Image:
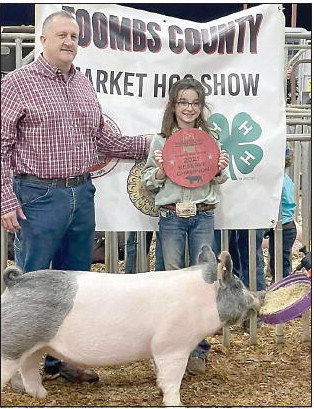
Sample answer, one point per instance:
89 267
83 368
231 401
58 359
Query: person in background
289 230
131 252
185 109
51 135
239 250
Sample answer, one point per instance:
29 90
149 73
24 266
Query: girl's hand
160 174
158 159
223 160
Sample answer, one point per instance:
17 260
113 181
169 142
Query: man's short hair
51 16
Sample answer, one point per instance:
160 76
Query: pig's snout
258 299
261 295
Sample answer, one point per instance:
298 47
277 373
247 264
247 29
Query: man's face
59 41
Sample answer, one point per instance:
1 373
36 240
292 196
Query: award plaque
191 157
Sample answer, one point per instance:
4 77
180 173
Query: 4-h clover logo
243 154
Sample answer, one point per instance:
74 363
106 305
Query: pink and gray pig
91 319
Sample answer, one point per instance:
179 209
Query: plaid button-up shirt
53 128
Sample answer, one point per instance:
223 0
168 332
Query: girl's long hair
169 121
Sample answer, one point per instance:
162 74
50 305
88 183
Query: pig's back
131 294
128 317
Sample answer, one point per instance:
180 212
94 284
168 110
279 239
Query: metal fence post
279 334
4 255
252 282
306 215
225 246
18 52
141 257
111 252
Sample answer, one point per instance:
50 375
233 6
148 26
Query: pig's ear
225 266
206 255
209 263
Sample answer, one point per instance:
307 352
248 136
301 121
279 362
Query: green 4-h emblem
243 154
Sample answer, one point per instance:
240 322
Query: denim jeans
239 251
288 238
131 246
58 231
132 242
174 233
59 228
159 258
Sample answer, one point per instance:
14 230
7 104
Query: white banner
132 57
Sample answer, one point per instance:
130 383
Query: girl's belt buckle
185 209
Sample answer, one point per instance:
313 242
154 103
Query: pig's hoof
39 392
17 384
173 404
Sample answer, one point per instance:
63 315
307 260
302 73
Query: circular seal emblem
142 199
106 164
191 157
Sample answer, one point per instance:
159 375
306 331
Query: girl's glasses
186 104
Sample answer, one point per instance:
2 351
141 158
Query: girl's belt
200 207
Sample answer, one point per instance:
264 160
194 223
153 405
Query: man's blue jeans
58 231
59 228
174 233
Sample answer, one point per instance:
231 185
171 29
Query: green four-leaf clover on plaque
243 154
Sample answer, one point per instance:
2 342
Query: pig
192 179
91 319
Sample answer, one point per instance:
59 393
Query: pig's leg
31 376
170 371
8 369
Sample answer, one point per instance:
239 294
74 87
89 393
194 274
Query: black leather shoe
196 365
77 375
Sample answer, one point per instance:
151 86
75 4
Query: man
52 132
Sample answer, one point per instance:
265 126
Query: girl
289 230
185 109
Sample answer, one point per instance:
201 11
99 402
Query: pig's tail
11 275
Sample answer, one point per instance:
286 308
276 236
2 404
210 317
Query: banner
132 57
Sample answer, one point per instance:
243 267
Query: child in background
289 230
185 109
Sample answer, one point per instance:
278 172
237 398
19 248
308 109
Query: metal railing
18 41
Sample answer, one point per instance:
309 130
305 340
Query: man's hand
9 220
